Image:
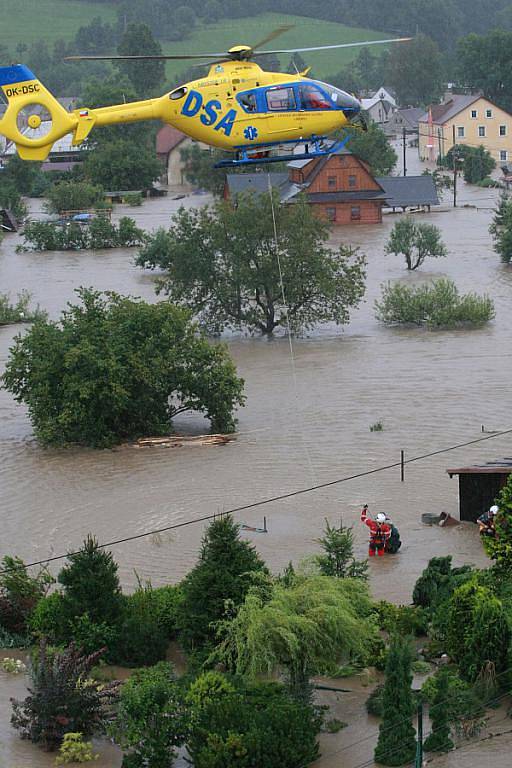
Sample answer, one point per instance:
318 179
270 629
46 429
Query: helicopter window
281 99
312 97
178 93
248 101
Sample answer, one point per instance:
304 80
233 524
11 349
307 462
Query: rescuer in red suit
379 532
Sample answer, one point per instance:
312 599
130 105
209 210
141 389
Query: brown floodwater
430 390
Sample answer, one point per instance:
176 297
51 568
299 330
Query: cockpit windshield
311 97
339 98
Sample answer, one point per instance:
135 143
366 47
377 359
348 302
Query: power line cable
272 499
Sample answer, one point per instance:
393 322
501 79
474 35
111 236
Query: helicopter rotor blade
339 45
272 35
161 57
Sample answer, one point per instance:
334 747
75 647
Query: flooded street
430 389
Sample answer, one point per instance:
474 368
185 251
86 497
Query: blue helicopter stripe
16 73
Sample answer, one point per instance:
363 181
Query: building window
503 155
352 181
503 130
331 214
488 112
331 182
355 213
474 114
481 131
460 132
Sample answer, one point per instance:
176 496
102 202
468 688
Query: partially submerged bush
20 311
73 236
19 594
75 750
435 305
402 619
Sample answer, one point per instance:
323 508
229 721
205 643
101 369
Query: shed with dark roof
480 485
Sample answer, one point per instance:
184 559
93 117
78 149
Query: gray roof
410 116
407 191
254 182
441 113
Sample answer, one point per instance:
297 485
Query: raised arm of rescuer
380 532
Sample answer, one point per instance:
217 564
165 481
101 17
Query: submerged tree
225 264
415 242
338 558
116 368
501 229
397 738
304 629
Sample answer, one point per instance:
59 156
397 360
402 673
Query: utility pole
404 141
455 158
419 743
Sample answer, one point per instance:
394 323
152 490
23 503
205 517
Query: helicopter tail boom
34 119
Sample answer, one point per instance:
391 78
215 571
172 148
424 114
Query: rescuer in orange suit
380 532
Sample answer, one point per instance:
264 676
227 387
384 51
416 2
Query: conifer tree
222 574
439 739
338 558
397 739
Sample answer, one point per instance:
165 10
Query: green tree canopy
222 262
303 628
108 91
499 548
74 196
122 165
372 146
485 63
501 229
415 70
415 242
397 738
116 368
222 576
147 77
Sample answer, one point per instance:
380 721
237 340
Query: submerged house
340 187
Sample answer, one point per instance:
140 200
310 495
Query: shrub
49 618
439 739
151 721
415 242
75 750
19 312
13 640
143 639
256 725
73 196
461 696
133 198
61 698
402 619
435 305
167 601
13 666
499 548
19 594
72 236
478 631
373 704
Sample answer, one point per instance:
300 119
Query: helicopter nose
350 105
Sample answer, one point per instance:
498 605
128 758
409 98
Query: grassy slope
306 32
23 21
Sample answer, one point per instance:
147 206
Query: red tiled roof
167 139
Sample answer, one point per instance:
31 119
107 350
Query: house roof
254 182
383 94
441 113
407 191
498 467
167 139
410 116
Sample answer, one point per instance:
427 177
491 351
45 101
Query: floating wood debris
179 441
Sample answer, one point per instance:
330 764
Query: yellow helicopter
237 107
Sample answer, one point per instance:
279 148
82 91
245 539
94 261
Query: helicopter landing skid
260 154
